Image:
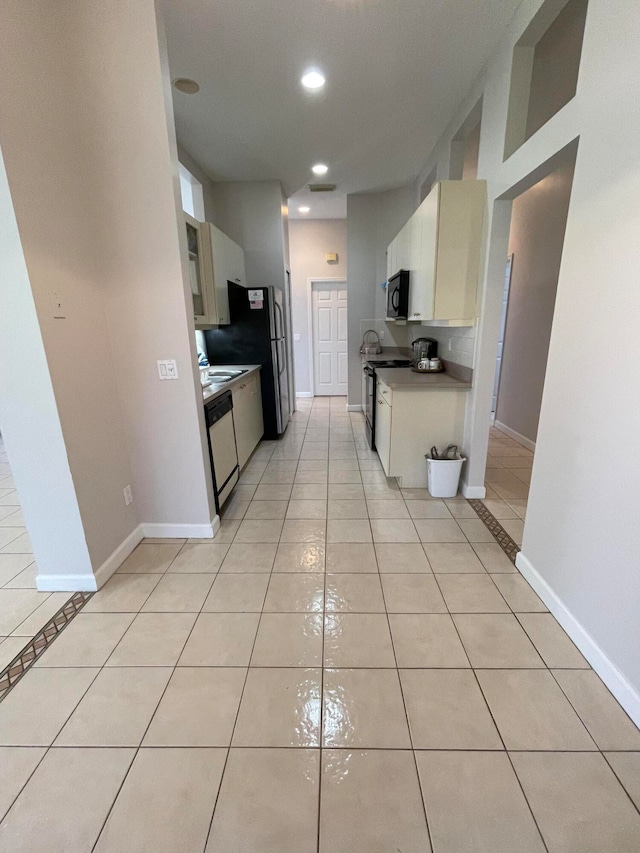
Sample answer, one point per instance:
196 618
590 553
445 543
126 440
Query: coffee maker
424 348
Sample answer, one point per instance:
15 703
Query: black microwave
398 296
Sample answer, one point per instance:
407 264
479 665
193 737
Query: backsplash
394 335
462 338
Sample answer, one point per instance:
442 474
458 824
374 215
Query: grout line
404 705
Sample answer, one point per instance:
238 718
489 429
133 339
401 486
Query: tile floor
23 610
345 667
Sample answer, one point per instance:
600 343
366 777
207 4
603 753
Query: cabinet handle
237 279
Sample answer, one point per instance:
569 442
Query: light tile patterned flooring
23 610
346 667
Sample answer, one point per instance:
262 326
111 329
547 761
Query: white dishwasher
222 446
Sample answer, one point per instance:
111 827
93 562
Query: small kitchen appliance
398 296
425 356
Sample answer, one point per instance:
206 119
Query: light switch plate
167 368
57 308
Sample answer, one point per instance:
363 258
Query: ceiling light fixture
185 85
313 80
320 169
304 209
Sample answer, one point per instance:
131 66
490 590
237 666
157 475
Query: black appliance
255 335
424 348
369 402
398 296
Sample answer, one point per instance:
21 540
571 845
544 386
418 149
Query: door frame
310 282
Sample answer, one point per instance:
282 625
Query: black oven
369 404
398 296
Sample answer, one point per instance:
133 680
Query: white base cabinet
409 422
247 416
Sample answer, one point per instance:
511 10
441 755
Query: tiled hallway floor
23 610
346 668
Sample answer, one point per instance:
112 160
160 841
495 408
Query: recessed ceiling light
313 80
320 169
185 85
304 209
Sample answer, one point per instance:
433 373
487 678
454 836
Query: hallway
345 668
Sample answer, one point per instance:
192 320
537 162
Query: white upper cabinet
214 260
444 239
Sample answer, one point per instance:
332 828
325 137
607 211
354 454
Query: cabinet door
422 283
247 415
236 270
218 248
392 267
196 237
256 422
403 259
460 216
241 418
383 432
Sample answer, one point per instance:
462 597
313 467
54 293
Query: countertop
215 390
404 378
387 354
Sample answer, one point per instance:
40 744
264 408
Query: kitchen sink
220 376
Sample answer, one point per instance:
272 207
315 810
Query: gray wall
251 213
310 240
556 61
373 220
538 221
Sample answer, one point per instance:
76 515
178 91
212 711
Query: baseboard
473 492
181 531
356 407
304 394
91 583
521 439
626 695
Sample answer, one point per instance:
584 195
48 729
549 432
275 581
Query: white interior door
329 309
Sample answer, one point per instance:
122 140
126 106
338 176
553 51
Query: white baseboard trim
304 394
181 531
355 407
626 695
521 439
66 583
91 583
473 492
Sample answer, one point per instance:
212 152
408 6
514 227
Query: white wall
581 540
92 168
309 242
538 220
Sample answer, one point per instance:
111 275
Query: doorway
536 239
329 337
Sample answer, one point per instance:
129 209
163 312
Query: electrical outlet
450 344
381 334
128 496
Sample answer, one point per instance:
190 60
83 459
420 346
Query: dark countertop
403 378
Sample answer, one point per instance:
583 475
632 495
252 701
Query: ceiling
395 70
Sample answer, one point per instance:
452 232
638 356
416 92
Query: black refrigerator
256 335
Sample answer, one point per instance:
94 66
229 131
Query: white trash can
443 476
